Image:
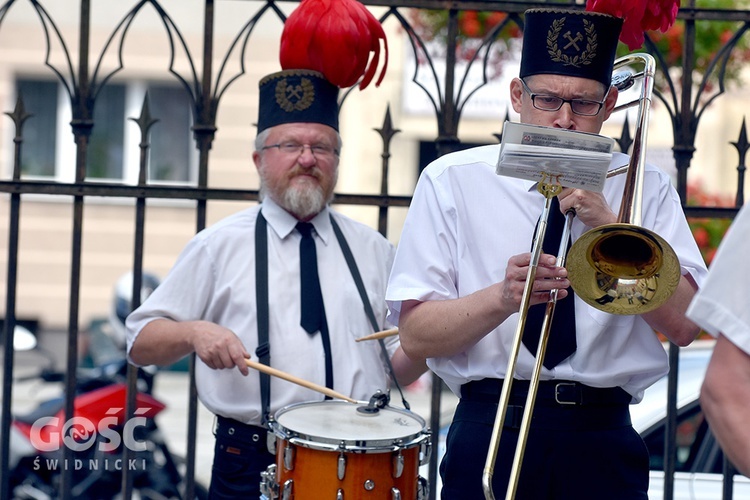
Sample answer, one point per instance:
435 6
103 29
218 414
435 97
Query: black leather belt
550 393
251 435
559 404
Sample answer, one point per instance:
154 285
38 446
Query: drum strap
354 270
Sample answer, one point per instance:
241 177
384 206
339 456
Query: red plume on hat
638 16
336 38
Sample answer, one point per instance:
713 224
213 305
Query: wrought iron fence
84 77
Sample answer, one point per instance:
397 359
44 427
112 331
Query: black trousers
581 445
240 455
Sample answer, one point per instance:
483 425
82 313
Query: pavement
171 388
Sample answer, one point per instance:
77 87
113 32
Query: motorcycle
98 435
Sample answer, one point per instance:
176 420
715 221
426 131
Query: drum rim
354 446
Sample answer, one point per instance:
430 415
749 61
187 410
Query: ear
610 102
256 159
516 94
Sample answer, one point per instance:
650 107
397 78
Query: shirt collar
284 223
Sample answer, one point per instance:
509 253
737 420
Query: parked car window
691 433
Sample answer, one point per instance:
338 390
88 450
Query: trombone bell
623 269
625 251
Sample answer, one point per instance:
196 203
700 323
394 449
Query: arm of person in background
163 342
721 308
725 399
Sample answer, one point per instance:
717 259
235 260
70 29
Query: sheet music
575 159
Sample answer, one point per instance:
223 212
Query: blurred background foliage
474 26
708 232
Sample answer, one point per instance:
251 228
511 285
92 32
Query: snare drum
332 450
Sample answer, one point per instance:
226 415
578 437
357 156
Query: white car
699 461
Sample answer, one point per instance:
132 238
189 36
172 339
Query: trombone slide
515 472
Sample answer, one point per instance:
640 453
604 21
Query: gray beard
302 203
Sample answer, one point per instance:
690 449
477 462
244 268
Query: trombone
619 268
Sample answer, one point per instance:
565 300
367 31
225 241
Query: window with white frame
113 151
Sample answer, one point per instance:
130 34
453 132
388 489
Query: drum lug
288 457
425 451
398 464
395 494
340 494
287 493
341 469
269 489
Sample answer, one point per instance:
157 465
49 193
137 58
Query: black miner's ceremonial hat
297 96
570 43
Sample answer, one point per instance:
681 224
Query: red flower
335 37
471 27
638 16
470 14
495 18
702 238
660 15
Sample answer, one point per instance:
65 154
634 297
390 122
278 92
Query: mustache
313 172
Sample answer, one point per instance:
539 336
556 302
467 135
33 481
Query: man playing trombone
461 271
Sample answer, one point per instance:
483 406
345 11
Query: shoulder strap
263 351
365 300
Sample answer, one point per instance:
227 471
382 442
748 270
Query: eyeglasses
546 102
295 148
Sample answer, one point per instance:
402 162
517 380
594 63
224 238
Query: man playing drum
247 286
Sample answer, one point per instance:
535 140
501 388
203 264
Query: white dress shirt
722 305
214 280
463 225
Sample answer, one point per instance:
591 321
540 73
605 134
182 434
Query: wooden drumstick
379 335
296 380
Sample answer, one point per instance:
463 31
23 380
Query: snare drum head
339 421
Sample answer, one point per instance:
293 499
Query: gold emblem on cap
585 54
298 97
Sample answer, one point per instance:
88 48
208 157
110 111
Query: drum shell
384 454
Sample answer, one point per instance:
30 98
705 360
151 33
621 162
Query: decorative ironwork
686 101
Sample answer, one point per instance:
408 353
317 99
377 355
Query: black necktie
313 317
311 298
562 336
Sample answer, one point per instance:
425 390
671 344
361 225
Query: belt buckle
557 394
